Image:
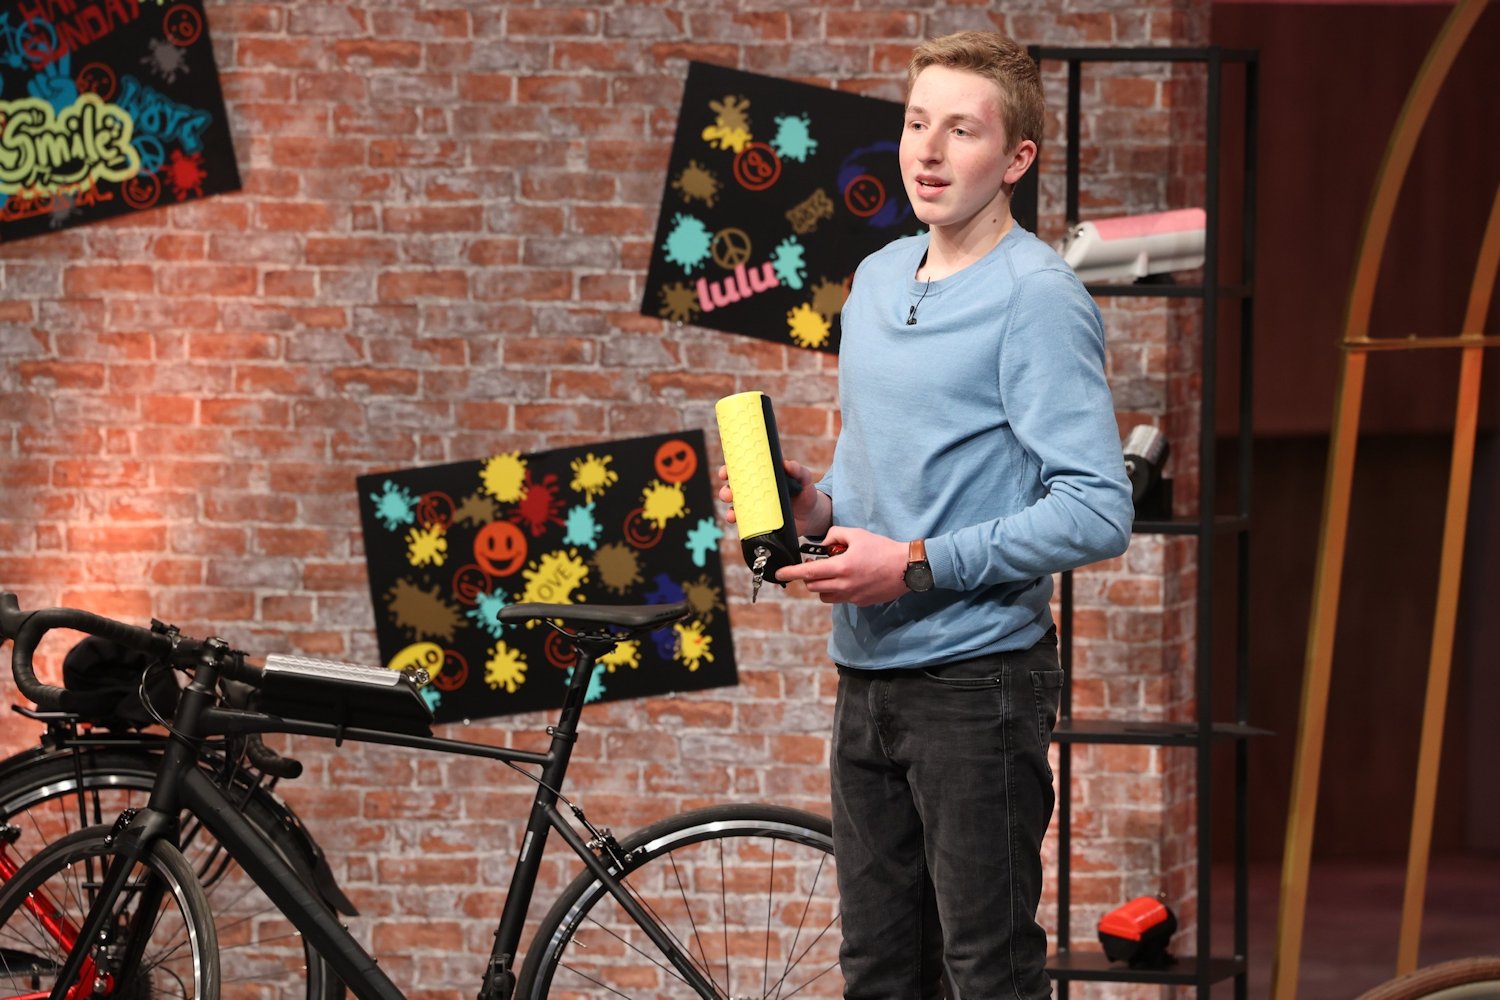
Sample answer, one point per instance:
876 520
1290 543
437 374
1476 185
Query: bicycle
79 776
726 902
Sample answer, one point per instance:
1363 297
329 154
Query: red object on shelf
1138 933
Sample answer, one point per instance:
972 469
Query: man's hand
813 511
868 571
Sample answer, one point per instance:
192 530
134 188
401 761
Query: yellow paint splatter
726 138
506 668
808 329
692 645
592 476
427 546
504 477
660 502
555 576
626 654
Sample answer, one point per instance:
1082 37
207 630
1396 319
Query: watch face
918 576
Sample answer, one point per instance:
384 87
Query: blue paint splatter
788 264
702 539
394 505
432 696
794 139
688 243
667 592
486 612
583 529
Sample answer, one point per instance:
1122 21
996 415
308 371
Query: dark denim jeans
941 797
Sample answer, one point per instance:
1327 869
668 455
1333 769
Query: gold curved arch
1355 348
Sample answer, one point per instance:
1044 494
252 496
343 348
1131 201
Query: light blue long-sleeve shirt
986 428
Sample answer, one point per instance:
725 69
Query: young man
978 456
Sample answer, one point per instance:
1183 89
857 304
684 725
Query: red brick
873 24
378 53
403 285
92 279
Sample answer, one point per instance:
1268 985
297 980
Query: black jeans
941 797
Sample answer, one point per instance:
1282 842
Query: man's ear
1021 159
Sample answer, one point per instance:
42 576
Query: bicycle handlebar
25 630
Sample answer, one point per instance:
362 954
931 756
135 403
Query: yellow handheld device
762 494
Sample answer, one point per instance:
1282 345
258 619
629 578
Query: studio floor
1353 921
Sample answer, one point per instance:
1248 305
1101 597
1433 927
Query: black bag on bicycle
103 679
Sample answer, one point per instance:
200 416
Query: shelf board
1146 733
1185 971
1221 524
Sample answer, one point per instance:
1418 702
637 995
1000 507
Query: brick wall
437 255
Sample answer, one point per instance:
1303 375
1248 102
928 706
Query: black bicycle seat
634 617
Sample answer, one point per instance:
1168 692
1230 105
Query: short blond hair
996 57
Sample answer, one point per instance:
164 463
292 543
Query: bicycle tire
179 960
749 892
1461 979
262 955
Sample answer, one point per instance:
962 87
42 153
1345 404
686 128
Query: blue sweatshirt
986 428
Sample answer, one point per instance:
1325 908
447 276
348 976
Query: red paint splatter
539 505
186 174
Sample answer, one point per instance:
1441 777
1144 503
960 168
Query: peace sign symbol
730 247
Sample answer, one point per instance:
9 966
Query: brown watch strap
916 550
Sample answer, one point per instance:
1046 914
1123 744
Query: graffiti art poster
623 522
106 107
775 192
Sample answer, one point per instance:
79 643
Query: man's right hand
812 510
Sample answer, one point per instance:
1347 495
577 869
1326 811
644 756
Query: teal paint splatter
794 139
486 612
394 506
702 539
688 243
432 696
595 689
787 262
583 529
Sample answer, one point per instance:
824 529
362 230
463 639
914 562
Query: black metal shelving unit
1209 526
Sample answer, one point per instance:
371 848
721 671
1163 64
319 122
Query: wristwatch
918 575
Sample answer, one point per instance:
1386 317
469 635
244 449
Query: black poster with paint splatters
622 522
106 107
775 192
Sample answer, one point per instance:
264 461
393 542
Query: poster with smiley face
622 522
106 108
775 192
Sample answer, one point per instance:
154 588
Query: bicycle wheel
262 955
179 959
748 892
1460 979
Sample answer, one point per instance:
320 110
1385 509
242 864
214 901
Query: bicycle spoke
659 963
792 957
688 909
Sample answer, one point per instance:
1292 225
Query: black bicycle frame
183 785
